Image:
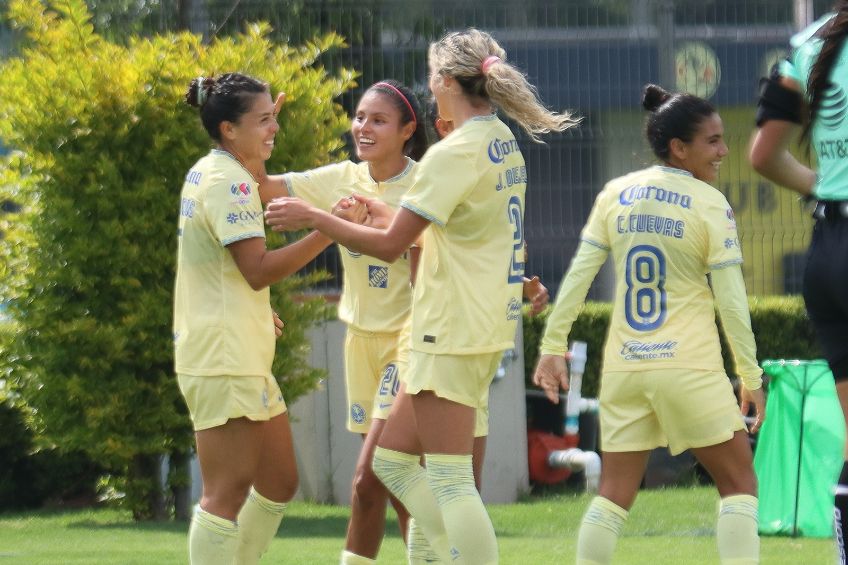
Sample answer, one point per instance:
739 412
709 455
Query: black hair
223 99
673 115
818 83
410 110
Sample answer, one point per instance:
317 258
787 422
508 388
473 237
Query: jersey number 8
645 299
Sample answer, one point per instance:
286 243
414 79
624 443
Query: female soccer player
817 72
663 379
389 136
224 330
469 192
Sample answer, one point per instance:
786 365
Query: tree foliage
101 144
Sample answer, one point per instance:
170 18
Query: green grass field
666 526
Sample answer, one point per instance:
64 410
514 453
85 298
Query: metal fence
591 56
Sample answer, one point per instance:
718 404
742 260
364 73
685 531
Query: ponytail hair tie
201 93
488 62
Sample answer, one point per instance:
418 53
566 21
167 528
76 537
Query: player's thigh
730 464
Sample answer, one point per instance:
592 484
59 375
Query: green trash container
799 449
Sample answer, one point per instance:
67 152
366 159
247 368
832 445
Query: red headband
402 97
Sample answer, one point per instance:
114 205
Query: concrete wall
327 452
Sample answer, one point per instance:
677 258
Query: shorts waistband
365 333
831 210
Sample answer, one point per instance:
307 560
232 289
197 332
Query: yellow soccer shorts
464 379
373 364
214 400
642 410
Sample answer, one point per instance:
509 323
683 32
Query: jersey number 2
516 220
645 299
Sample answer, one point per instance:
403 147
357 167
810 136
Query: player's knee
367 488
742 481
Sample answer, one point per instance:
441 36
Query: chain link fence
590 56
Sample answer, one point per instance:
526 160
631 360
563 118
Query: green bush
780 326
101 144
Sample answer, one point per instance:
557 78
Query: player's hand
536 293
551 373
288 214
758 399
278 324
380 214
351 210
278 103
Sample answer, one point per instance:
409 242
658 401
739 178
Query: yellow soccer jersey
221 325
471 185
376 296
666 230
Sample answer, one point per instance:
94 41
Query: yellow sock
599 532
258 521
736 532
350 558
212 540
418 550
468 525
405 478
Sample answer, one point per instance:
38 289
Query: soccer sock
418 549
405 478
468 525
599 532
258 522
212 540
738 541
840 513
350 558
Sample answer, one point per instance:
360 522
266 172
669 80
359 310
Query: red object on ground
539 446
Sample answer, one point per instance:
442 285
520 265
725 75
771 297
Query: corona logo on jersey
499 149
242 192
378 277
635 192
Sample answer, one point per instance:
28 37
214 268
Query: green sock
212 540
258 521
468 525
736 531
599 532
405 478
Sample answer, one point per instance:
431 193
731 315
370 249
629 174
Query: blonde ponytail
476 61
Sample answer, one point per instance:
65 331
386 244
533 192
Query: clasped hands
289 213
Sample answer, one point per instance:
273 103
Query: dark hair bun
653 97
193 96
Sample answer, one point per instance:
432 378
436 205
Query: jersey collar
674 170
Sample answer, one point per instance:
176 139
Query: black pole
800 451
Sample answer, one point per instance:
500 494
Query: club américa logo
357 413
241 192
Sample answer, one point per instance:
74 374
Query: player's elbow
760 160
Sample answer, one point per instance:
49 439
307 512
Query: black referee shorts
826 284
